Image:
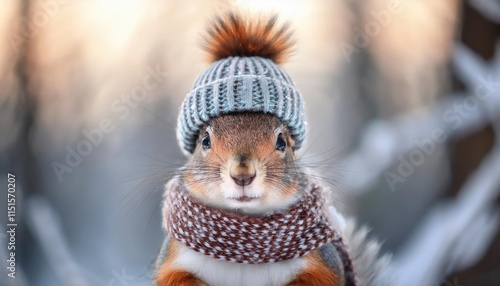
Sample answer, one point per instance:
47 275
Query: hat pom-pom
232 35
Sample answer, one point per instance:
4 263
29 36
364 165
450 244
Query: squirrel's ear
232 35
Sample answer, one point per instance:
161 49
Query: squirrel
242 211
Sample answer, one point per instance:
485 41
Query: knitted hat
245 77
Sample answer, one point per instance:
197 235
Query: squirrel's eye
280 143
205 142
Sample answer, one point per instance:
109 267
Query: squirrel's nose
243 179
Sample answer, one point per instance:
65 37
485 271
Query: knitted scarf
237 238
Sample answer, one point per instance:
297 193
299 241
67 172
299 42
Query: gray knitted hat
236 83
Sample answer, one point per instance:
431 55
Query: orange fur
316 273
179 278
167 275
232 35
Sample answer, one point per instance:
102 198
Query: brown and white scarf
237 238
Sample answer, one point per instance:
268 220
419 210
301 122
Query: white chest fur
223 273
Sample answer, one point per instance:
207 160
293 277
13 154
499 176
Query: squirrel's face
244 162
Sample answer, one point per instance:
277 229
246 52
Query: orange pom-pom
234 36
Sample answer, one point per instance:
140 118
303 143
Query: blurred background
402 101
